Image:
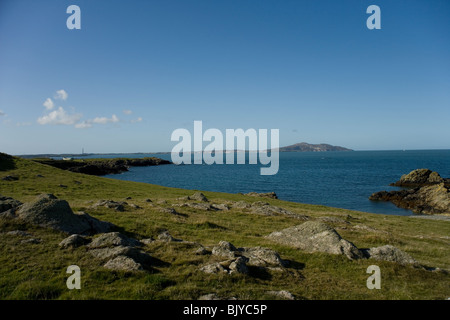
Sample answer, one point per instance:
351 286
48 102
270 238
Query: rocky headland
102 167
426 192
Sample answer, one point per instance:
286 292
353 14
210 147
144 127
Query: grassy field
38 271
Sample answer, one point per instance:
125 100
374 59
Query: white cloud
105 120
59 116
128 112
83 125
2 113
61 95
136 120
48 104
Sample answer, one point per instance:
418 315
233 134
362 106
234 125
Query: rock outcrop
50 212
238 260
429 193
120 252
73 241
430 199
102 167
389 253
270 195
419 178
7 203
313 236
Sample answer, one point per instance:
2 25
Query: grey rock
166 237
313 236
418 178
210 296
47 211
113 239
7 203
168 210
198 196
389 253
213 268
200 206
73 241
224 249
271 195
262 257
221 206
31 241
239 266
19 233
118 206
147 241
241 205
283 294
123 263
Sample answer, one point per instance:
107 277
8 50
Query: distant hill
304 147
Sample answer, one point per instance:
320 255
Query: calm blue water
336 179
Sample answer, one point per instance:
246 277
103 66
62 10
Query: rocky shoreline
427 193
102 167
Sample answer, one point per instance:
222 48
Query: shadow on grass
6 162
259 273
294 264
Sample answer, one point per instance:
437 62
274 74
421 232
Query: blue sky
137 70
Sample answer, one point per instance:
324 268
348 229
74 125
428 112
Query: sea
336 179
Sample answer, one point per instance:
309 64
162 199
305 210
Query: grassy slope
37 271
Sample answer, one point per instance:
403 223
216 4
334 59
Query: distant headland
307 147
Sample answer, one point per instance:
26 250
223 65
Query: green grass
38 271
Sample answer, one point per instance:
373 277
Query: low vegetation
37 269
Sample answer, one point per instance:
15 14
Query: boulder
210 296
220 206
112 252
73 241
283 294
430 199
224 249
118 206
198 196
314 236
262 257
50 212
113 239
200 206
389 253
213 268
123 263
271 195
239 266
418 178
19 233
7 203
166 237
241 205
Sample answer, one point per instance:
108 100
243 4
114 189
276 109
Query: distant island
307 147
